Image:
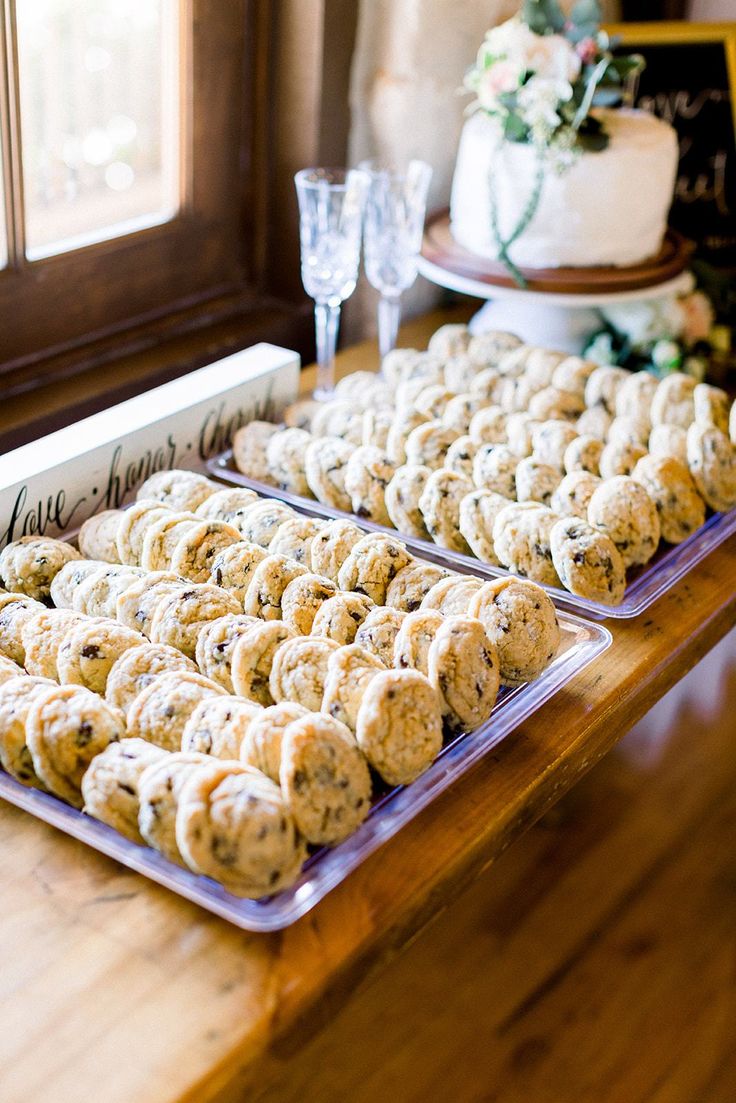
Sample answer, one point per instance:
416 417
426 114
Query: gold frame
683 33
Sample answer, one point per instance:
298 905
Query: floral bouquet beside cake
551 171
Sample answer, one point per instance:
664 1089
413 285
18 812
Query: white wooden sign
55 483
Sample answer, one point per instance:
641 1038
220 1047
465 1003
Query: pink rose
587 50
697 316
502 77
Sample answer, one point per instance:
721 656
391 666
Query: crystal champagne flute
393 227
331 203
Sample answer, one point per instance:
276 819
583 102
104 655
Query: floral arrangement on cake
541 74
674 333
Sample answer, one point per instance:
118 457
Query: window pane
99 96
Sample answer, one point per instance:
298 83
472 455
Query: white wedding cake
550 171
607 208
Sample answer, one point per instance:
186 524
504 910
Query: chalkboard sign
690 81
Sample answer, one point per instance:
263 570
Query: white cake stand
544 313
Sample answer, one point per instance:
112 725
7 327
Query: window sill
149 358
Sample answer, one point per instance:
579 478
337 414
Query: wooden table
113 989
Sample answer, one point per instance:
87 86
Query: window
132 152
147 151
99 120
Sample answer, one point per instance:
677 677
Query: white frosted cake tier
609 208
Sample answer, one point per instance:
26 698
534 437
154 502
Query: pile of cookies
543 463
227 681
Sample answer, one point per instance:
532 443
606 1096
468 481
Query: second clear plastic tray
643 588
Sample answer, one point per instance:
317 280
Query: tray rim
654 580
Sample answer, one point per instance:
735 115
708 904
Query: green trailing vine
503 245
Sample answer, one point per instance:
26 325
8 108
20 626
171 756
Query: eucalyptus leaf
593 143
543 16
611 77
626 349
592 136
576 32
586 12
624 66
607 97
591 125
515 130
592 84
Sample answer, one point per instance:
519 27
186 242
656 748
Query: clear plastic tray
580 644
644 586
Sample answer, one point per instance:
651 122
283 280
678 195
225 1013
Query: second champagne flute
330 219
394 223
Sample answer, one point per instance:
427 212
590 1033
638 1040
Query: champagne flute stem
389 315
327 322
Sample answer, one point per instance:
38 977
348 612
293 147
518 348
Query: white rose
503 39
600 350
639 321
667 355
551 56
644 322
539 100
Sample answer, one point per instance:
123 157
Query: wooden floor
596 961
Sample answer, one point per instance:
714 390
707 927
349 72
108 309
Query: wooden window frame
229 258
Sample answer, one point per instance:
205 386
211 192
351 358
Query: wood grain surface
117 990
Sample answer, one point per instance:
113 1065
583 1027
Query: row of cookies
250 546
299 569
503 525
609 404
309 591
295 584
170 610
453 483
516 455
485 368
378 566
324 578
157 689
464 636
97 655
262 662
80 642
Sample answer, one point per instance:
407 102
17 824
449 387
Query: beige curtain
711 11
409 63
